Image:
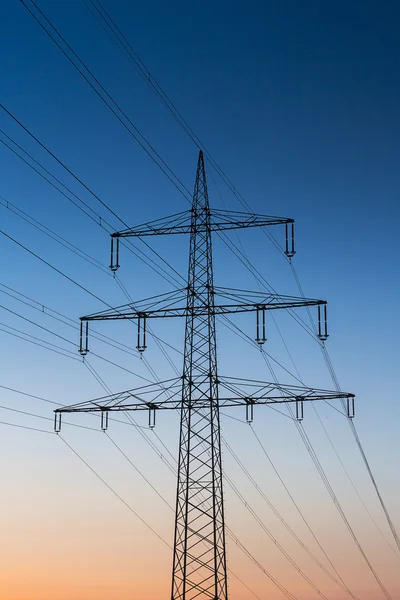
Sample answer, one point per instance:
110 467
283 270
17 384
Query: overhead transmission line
350 421
36 416
267 356
246 504
123 44
34 323
145 73
54 403
97 87
99 217
307 442
35 255
235 539
222 235
305 438
99 220
115 493
172 509
77 201
259 521
26 337
55 40
52 235
70 322
256 274
60 317
157 339
26 427
171 468
338 580
45 261
75 283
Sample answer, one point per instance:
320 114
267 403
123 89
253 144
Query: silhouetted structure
199 560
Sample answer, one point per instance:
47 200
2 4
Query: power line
242 547
256 274
252 512
52 235
339 581
36 416
40 343
352 426
46 19
115 493
63 319
64 339
77 201
271 537
152 529
163 499
26 427
82 287
144 72
35 397
102 93
240 255
353 485
328 486
149 79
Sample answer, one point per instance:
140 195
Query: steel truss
199 558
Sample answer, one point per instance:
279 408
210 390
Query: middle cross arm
167 395
220 220
267 302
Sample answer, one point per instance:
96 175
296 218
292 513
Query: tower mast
199 566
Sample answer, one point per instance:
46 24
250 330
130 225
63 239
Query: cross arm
170 305
267 302
234 392
219 220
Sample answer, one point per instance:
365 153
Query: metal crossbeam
218 220
166 395
268 303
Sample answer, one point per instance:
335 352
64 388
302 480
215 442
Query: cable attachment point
114 259
141 335
84 338
104 420
290 251
350 407
152 415
57 422
260 325
249 410
322 323
299 409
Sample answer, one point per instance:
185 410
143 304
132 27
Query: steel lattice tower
199 559
199 550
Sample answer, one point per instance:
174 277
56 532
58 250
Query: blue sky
298 103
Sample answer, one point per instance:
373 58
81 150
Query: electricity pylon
199 559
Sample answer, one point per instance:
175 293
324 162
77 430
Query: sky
297 102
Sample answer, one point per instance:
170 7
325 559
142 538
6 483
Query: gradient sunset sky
298 102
